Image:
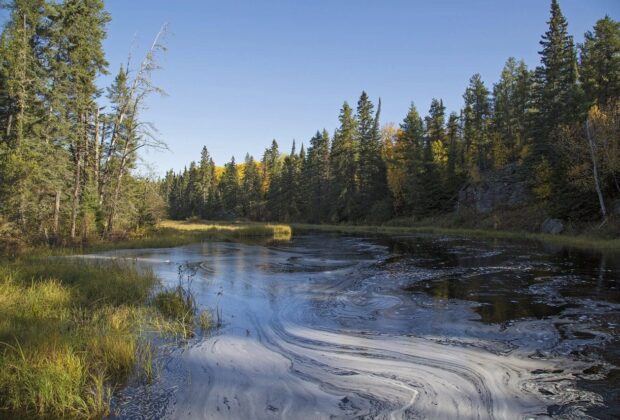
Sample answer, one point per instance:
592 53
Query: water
412 327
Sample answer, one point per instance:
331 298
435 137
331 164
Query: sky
240 73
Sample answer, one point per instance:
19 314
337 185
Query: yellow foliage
440 153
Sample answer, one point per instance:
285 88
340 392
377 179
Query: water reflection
418 326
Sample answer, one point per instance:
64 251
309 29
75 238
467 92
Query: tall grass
71 332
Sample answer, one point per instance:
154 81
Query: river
408 327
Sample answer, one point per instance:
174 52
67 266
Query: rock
552 226
503 188
615 208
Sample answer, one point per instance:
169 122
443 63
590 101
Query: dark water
413 327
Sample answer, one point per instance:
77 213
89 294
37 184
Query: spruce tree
344 168
600 62
511 107
476 120
317 177
410 152
229 188
556 79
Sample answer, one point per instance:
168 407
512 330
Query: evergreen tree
410 151
454 168
344 168
476 120
251 189
229 188
511 107
555 80
600 62
318 177
372 171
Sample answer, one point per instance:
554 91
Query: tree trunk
595 170
97 148
76 193
56 215
117 190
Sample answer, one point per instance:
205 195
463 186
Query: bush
12 243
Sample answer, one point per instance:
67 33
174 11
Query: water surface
413 327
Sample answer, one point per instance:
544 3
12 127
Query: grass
581 242
71 332
171 233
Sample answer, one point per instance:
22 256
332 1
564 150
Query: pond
407 327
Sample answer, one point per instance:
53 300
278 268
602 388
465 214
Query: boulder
552 226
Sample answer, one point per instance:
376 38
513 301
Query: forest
68 149
557 123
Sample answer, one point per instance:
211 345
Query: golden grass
237 230
71 332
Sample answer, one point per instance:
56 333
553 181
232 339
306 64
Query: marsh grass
71 332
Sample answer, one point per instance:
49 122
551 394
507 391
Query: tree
251 189
454 166
409 152
600 62
372 172
555 81
344 167
476 120
317 176
511 107
229 187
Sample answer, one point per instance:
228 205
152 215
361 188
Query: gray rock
503 188
552 226
615 208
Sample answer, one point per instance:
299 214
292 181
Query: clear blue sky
240 73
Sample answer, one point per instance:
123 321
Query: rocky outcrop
552 226
615 208
503 188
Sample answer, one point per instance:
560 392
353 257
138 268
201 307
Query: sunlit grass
236 230
71 332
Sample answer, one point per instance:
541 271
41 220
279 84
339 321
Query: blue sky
240 73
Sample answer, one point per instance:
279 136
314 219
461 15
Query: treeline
67 147
558 123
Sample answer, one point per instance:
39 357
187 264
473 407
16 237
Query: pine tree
454 169
344 158
435 156
317 178
600 62
251 189
229 188
204 182
556 81
372 171
476 120
511 108
410 152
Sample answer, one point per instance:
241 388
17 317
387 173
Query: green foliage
600 61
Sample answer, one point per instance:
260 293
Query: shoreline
579 242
